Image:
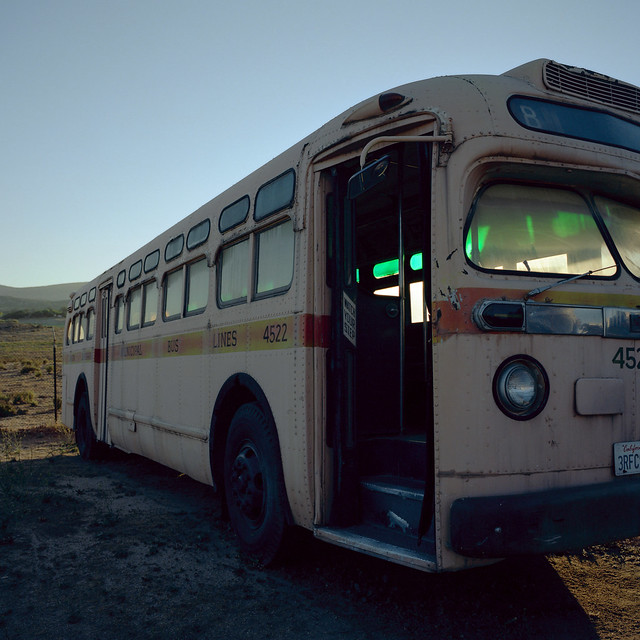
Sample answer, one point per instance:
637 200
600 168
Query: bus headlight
521 387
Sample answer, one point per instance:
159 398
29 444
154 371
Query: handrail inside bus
372 143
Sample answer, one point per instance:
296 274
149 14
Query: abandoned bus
416 333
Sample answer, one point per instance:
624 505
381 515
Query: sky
120 117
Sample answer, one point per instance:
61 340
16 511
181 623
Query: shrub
28 368
25 397
6 407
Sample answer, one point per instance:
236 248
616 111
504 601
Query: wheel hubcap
247 484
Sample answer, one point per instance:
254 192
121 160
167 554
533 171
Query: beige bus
416 333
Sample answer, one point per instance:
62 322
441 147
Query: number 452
626 357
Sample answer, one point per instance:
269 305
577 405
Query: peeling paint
453 298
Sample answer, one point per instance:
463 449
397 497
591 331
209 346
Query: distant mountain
54 296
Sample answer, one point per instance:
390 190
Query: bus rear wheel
88 445
254 484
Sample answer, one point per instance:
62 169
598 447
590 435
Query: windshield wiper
535 292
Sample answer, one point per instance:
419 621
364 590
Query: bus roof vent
588 85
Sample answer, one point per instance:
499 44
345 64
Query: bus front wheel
254 484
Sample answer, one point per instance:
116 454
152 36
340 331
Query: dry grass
27 374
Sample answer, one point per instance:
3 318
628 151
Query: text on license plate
626 458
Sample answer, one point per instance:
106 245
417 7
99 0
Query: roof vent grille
592 86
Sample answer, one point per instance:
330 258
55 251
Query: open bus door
380 391
102 361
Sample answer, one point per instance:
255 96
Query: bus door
102 361
379 365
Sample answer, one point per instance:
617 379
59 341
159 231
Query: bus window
199 234
622 223
234 273
173 286
119 321
275 195
234 214
70 332
197 287
135 270
275 259
174 248
152 261
91 323
134 308
78 328
149 303
535 229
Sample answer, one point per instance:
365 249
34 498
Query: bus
416 333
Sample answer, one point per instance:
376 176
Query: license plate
626 458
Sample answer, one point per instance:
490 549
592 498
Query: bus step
393 504
388 545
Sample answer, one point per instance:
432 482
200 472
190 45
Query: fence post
55 377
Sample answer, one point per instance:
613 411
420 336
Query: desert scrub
30 368
9 403
7 409
25 397
10 445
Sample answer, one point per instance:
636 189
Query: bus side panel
163 411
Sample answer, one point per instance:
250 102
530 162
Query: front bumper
551 521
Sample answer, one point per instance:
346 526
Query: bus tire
86 441
254 484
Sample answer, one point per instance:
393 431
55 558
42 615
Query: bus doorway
102 347
380 401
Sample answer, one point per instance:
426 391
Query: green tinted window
535 229
623 223
197 286
234 273
135 308
275 258
173 285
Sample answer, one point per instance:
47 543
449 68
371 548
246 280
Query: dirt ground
127 548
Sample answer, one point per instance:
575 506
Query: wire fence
30 374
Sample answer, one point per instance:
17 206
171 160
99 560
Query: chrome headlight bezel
521 387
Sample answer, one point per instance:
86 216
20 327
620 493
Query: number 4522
626 357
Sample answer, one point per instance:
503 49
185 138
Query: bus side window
119 320
173 286
70 331
197 294
91 323
234 273
78 329
275 259
134 308
149 303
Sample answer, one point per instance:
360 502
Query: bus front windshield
623 223
549 230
